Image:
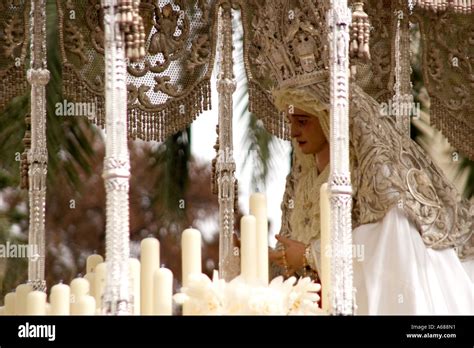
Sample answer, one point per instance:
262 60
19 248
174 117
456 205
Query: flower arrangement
204 296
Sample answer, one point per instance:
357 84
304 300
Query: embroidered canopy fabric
169 88
14 30
448 73
261 29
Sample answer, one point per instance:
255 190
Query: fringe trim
458 133
146 124
76 90
264 109
175 115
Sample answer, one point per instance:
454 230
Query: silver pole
38 76
228 261
116 167
339 19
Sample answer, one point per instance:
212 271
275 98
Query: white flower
280 297
265 301
303 297
283 286
236 299
202 296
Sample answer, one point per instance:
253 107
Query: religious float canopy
170 86
150 62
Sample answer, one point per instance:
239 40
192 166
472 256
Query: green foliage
171 160
468 165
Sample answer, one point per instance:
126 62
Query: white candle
9 301
2 310
36 303
22 292
92 261
134 279
191 253
79 288
85 305
59 298
90 278
325 247
248 248
163 285
100 276
150 261
258 208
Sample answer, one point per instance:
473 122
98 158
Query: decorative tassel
360 33
458 6
131 24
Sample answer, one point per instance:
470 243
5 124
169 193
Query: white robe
397 274
400 275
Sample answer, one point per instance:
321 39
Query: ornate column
342 298
38 77
116 166
228 260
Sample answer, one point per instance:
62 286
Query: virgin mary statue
410 225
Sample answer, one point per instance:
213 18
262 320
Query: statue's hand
293 252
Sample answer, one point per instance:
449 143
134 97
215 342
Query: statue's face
307 131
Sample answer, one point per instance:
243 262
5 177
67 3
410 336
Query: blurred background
170 186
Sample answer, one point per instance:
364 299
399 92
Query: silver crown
289 42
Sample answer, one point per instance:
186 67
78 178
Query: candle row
64 300
151 289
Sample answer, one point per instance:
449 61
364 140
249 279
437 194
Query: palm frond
171 158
